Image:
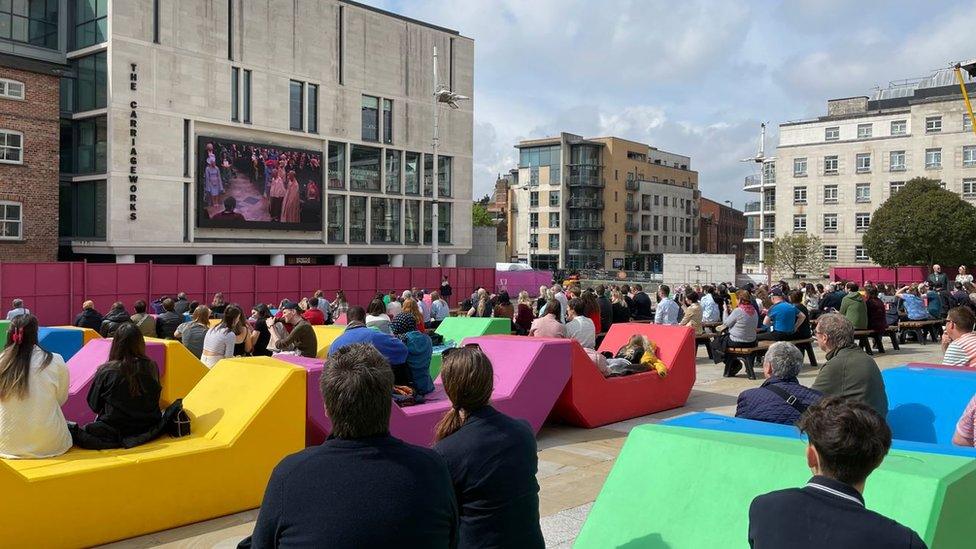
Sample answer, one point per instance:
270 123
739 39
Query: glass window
860 254
370 118
897 161
967 123
862 192
830 165
387 121
899 127
969 187
533 199
411 222
235 94
91 84
10 220
933 124
337 218
411 172
313 108
444 164
553 198
364 169
428 175
553 220
830 253
830 222
799 167
969 156
91 22
89 137
799 195
443 222
863 162
534 220
11 89
393 159
554 242
337 165
533 240
554 174
357 219
11 147
385 220
832 133
33 22
864 131
895 186
82 209
296 101
830 193
933 158
799 223
862 221
247 96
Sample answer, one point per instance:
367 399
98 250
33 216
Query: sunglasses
447 352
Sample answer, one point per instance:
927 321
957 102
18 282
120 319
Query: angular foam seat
529 375
65 340
460 328
179 371
925 403
246 415
324 336
4 327
679 487
591 400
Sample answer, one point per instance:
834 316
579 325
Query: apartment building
722 231
760 215
601 203
834 171
232 131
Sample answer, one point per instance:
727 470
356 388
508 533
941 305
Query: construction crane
969 67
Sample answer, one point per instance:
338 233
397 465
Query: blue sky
691 77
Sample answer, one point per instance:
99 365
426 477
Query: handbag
178 425
786 396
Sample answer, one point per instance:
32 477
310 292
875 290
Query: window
830 194
553 220
967 123
830 253
411 173
91 84
533 240
554 173
933 124
830 165
155 20
832 133
864 131
341 46
799 167
899 127
83 145
313 107
393 171
10 220
862 221
91 22
387 121
969 156
553 198
370 118
933 158
895 186
897 161
655 241
295 104
411 222
656 201
385 220
655 222
357 219
337 218
800 223
863 162
444 171
799 195
11 147
82 209
554 242
862 192
830 222
364 169
534 220
247 96
443 223
860 254
11 89
969 187
337 165
33 22
533 199
235 94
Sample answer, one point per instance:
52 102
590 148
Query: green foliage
796 253
922 224
480 216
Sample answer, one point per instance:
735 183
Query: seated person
578 325
169 320
638 355
124 396
115 317
548 325
959 340
847 441
143 320
313 315
89 317
738 331
301 339
415 372
914 307
783 318
192 332
33 387
848 372
376 317
361 487
693 312
966 426
781 398
853 307
356 332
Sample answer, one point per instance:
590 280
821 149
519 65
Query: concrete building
832 172
722 230
180 106
759 213
601 203
33 41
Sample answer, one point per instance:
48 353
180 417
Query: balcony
590 181
586 203
632 185
631 247
585 225
630 227
753 234
753 207
752 183
646 206
632 206
585 246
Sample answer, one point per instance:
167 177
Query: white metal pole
762 199
434 236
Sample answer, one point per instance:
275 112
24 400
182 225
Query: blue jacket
761 404
419 351
392 348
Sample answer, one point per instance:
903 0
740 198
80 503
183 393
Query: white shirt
439 310
19 311
582 329
34 426
563 306
217 344
964 279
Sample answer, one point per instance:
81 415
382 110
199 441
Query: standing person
261 335
220 339
89 317
277 194
592 310
958 340
291 203
218 305
579 326
606 308
853 307
115 317
540 303
446 290
628 299
667 310
964 277
145 321
493 458
738 330
192 333
933 301
213 185
340 306
642 304
937 278
693 312
33 387
847 440
848 372
523 314
811 300
548 325
361 487
168 321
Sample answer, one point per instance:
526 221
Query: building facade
722 231
834 171
601 203
233 131
760 215
33 41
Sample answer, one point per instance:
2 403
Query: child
638 355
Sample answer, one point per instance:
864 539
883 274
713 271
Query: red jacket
314 316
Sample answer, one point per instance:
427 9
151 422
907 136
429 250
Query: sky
691 77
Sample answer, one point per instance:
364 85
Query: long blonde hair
468 380
410 306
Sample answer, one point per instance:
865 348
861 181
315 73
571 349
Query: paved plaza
573 462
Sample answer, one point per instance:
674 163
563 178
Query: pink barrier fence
897 275
515 281
55 291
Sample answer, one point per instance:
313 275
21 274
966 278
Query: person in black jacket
847 441
181 305
642 304
606 308
168 321
116 317
89 317
361 487
493 458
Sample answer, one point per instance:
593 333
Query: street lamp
442 94
729 202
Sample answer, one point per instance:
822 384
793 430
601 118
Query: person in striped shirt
959 340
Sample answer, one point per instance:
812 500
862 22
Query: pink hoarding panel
52 278
191 278
218 279
385 278
18 279
402 279
265 279
909 275
329 278
241 279
132 279
309 280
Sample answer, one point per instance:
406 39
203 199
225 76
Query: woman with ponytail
33 386
492 458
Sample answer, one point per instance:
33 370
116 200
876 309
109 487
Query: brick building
722 230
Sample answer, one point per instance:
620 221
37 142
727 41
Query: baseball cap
777 291
289 305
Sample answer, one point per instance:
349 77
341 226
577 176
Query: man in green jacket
848 372
854 308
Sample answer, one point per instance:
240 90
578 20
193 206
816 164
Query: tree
480 216
922 224
796 253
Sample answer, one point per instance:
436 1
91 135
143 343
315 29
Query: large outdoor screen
244 185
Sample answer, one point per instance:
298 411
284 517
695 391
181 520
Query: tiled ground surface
573 463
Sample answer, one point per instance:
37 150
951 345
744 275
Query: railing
751 206
630 227
632 185
586 245
585 181
590 203
631 247
646 206
585 224
767 233
629 276
752 181
631 207
754 207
